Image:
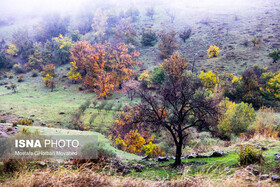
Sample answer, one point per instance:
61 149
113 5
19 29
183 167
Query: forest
174 93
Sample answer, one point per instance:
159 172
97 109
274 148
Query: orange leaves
175 66
104 65
104 84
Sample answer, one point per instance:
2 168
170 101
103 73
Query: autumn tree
121 62
213 51
177 106
104 63
48 76
175 66
167 44
104 84
130 136
209 79
12 50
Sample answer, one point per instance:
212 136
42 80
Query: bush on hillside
158 75
235 118
167 44
149 38
25 121
249 155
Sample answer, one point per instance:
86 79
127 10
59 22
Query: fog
29 7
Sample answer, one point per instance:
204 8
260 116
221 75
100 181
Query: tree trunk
52 86
120 86
178 161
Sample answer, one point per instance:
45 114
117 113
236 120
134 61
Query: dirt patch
7 130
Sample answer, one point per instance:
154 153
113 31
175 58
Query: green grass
32 98
209 167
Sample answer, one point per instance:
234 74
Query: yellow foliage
153 150
210 80
64 42
145 78
134 142
273 85
73 74
12 50
213 51
236 79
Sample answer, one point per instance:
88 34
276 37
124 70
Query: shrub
145 79
3 120
275 55
236 118
9 128
92 118
101 105
25 121
23 43
109 106
75 36
210 80
14 87
84 106
167 44
185 35
48 76
80 126
10 75
249 155
25 131
213 51
37 59
158 75
266 124
149 38
3 59
62 46
13 50
20 78
34 73
17 68
153 150
202 142
11 165
15 123
256 41
74 74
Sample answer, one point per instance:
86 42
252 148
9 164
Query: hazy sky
43 6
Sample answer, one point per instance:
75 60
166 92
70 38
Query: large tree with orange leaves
104 65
